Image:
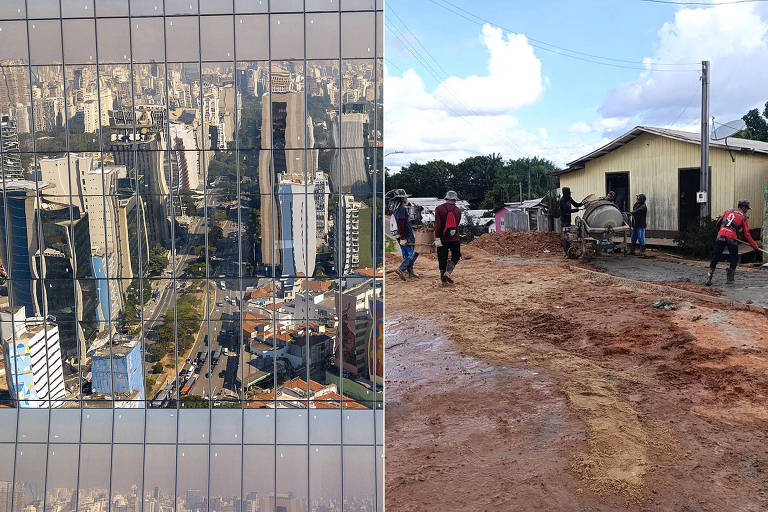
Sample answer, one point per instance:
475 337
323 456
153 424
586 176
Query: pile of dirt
523 243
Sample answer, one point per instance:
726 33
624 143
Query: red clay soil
554 391
526 243
693 287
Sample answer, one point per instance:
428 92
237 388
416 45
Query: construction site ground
534 384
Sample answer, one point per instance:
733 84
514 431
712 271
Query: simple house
522 216
665 165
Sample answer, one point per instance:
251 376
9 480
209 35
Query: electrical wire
570 53
682 2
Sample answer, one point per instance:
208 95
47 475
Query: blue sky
493 88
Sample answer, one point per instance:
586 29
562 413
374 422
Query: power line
396 31
567 52
681 2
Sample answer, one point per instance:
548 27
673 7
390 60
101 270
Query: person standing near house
566 202
405 235
732 223
447 219
639 214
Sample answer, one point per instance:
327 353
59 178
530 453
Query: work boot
730 275
642 251
413 274
709 277
401 274
632 249
447 278
449 267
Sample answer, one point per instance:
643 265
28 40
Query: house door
688 208
619 183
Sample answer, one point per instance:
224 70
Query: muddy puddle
419 356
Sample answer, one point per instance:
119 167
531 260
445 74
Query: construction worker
405 235
566 201
447 219
639 214
732 223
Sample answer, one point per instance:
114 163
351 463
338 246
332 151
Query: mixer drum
603 214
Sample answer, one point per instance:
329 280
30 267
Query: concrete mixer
602 228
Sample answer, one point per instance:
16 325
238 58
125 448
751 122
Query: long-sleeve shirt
639 214
441 214
565 209
732 223
404 228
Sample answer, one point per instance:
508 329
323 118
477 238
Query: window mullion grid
306 249
75 263
208 307
339 268
9 273
140 226
40 271
107 269
374 252
273 238
241 347
167 161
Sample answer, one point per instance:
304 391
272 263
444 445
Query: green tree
158 260
757 125
157 367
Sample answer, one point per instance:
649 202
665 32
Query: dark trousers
442 254
733 252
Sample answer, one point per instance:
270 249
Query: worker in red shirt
732 223
447 219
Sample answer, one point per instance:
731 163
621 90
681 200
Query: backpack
393 226
451 226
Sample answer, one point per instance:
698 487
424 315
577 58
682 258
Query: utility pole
520 184
706 200
529 182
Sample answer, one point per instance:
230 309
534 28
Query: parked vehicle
188 385
160 399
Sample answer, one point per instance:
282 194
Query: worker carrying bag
451 227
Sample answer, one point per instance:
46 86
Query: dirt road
530 386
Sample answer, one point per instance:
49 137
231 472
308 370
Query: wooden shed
665 165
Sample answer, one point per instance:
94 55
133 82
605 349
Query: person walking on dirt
639 214
566 201
732 223
447 219
405 235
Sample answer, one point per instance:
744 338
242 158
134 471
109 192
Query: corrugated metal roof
732 143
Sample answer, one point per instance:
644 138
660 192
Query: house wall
653 163
499 216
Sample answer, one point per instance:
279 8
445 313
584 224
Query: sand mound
524 243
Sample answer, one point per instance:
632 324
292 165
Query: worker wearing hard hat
732 223
639 214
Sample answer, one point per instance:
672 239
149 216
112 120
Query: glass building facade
191 281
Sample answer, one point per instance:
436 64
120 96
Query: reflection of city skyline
134 234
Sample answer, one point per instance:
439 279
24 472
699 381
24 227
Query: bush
697 242
157 367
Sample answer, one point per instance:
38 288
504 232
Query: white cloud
734 38
580 128
466 116
513 79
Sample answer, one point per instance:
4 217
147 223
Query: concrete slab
751 286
